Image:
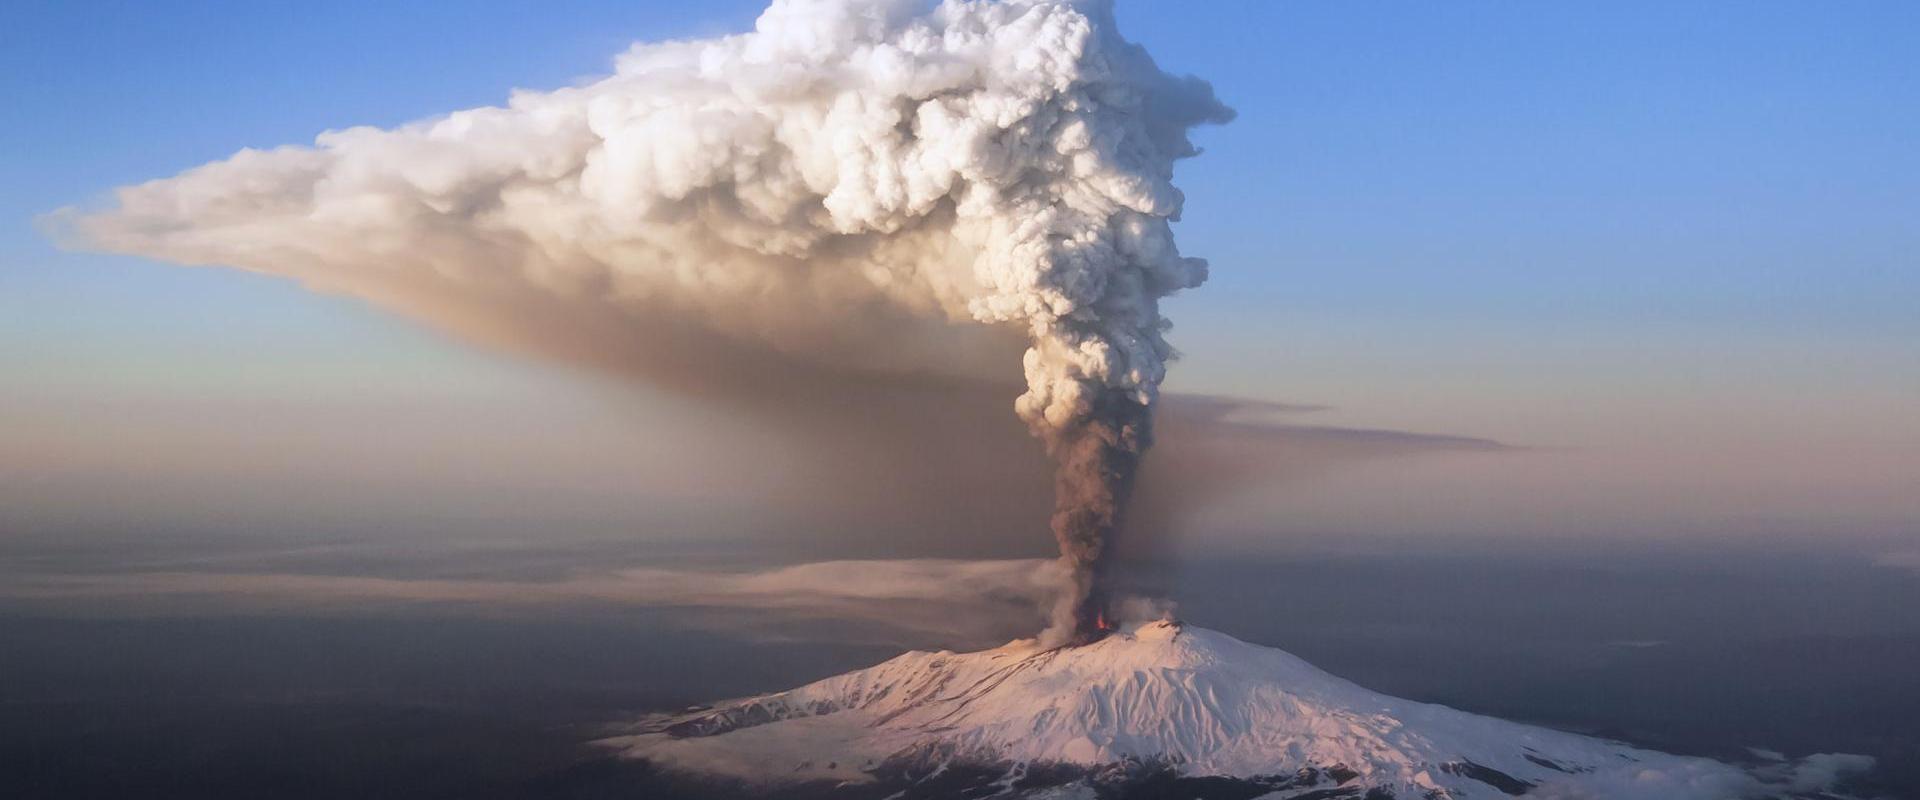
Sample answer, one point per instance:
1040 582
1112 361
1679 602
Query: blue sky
1685 229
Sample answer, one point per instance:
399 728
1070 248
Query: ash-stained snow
1176 703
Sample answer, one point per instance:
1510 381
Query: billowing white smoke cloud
844 185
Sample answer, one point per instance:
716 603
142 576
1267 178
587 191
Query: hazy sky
1666 252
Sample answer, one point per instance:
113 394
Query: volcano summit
1158 709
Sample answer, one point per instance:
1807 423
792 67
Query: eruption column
855 185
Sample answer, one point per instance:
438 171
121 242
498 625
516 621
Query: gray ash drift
1160 710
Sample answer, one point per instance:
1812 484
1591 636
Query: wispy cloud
1900 559
956 601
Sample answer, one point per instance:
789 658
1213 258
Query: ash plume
1097 458
855 189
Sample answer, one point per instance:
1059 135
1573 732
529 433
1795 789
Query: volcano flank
1159 709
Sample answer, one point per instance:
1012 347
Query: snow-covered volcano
1170 710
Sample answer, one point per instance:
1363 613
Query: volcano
1158 709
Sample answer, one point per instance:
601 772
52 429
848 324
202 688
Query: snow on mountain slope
1182 700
